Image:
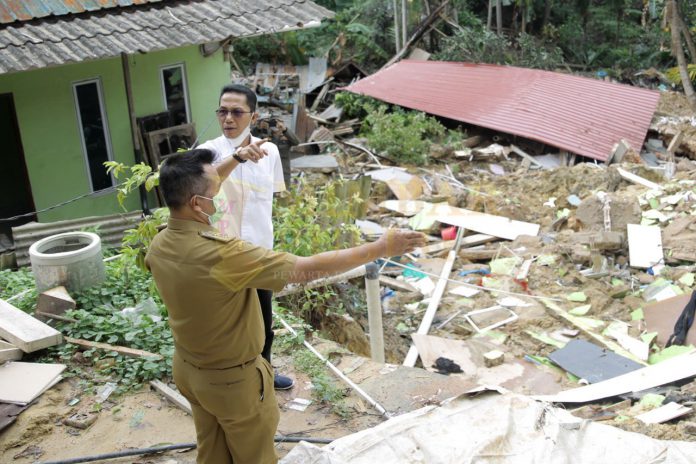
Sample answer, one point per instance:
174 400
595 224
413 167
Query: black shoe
281 382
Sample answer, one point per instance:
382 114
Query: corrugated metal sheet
147 28
25 10
581 115
110 229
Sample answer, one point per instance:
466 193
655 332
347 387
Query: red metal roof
25 10
578 114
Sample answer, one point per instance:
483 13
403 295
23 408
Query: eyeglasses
235 113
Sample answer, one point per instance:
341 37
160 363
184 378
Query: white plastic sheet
500 429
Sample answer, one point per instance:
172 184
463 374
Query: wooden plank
35 379
412 355
526 156
172 395
644 245
664 413
9 352
489 224
25 332
638 180
397 284
132 352
668 371
675 142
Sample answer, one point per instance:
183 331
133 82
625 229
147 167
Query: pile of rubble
543 272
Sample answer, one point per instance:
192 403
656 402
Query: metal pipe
338 373
160 449
374 312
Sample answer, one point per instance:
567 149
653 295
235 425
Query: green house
75 74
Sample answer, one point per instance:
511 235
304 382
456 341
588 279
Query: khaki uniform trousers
234 410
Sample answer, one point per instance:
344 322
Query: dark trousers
266 300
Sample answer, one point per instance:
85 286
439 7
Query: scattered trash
298 404
447 366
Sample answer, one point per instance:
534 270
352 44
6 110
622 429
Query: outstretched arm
392 243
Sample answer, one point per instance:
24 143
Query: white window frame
184 82
105 126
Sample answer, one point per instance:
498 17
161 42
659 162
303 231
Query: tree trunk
524 19
688 38
397 42
678 52
404 22
499 16
489 23
547 13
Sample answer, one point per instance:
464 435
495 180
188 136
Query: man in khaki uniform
208 283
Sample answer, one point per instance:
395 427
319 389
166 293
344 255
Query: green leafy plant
404 136
325 388
136 241
13 283
354 105
308 221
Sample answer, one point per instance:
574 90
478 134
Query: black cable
33 213
160 449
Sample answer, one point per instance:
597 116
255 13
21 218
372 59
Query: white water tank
73 260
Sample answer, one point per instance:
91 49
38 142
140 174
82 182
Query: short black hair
246 91
182 175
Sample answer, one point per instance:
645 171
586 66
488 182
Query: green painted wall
49 128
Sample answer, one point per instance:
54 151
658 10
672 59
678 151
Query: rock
623 210
645 278
600 240
493 358
689 427
581 254
686 165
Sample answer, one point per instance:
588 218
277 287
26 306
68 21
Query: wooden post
499 16
137 148
374 312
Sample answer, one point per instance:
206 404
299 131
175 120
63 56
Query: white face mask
237 141
209 216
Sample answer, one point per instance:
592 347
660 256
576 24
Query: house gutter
137 147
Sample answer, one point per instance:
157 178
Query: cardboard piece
513 374
668 371
25 332
660 317
644 245
591 362
405 186
21 383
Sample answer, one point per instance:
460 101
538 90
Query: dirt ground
144 419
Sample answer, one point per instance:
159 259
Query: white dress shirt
245 201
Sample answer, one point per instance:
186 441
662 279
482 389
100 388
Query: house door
15 191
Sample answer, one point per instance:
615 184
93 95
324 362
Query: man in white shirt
245 202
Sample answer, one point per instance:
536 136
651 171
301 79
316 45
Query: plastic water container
73 260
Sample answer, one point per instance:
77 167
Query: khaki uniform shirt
208 283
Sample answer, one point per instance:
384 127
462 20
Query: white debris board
9 352
25 332
644 245
490 224
21 382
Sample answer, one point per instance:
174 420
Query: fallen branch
422 29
